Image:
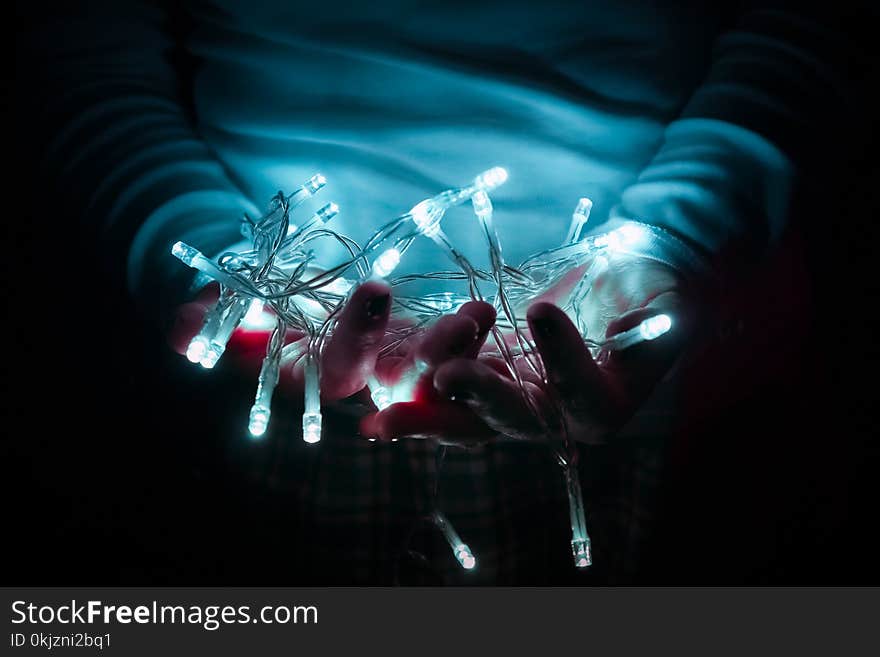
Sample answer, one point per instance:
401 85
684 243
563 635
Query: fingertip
367 426
457 378
542 310
481 312
450 336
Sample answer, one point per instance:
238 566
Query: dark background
124 468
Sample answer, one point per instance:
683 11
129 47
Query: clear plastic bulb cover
386 262
653 327
491 179
482 204
311 426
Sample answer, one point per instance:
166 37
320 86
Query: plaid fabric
364 505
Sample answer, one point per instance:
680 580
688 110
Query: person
170 120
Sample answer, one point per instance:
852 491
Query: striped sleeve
120 146
775 102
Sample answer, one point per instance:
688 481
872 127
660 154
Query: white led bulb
460 550
194 258
311 420
426 215
386 262
327 212
261 410
405 387
580 539
208 345
579 218
491 179
649 329
313 184
322 216
628 237
482 205
379 393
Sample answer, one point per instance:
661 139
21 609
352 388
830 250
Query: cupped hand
472 399
347 360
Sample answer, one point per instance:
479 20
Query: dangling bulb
197 349
311 420
460 550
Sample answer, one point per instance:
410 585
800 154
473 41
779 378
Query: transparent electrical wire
280 277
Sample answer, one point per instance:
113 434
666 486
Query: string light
460 549
279 282
311 420
647 330
379 393
579 218
386 262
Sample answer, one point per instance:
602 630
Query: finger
350 354
484 315
495 399
572 374
441 420
449 337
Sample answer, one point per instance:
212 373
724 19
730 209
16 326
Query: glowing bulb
460 550
259 420
210 342
327 212
185 253
426 215
491 179
314 184
386 263
627 237
194 258
482 205
261 410
211 357
580 538
444 301
197 349
405 387
309 306
380 394
311 427
464 556
311 420
654 327
582 552
322 216
579 218
649 329
338 286
255 318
